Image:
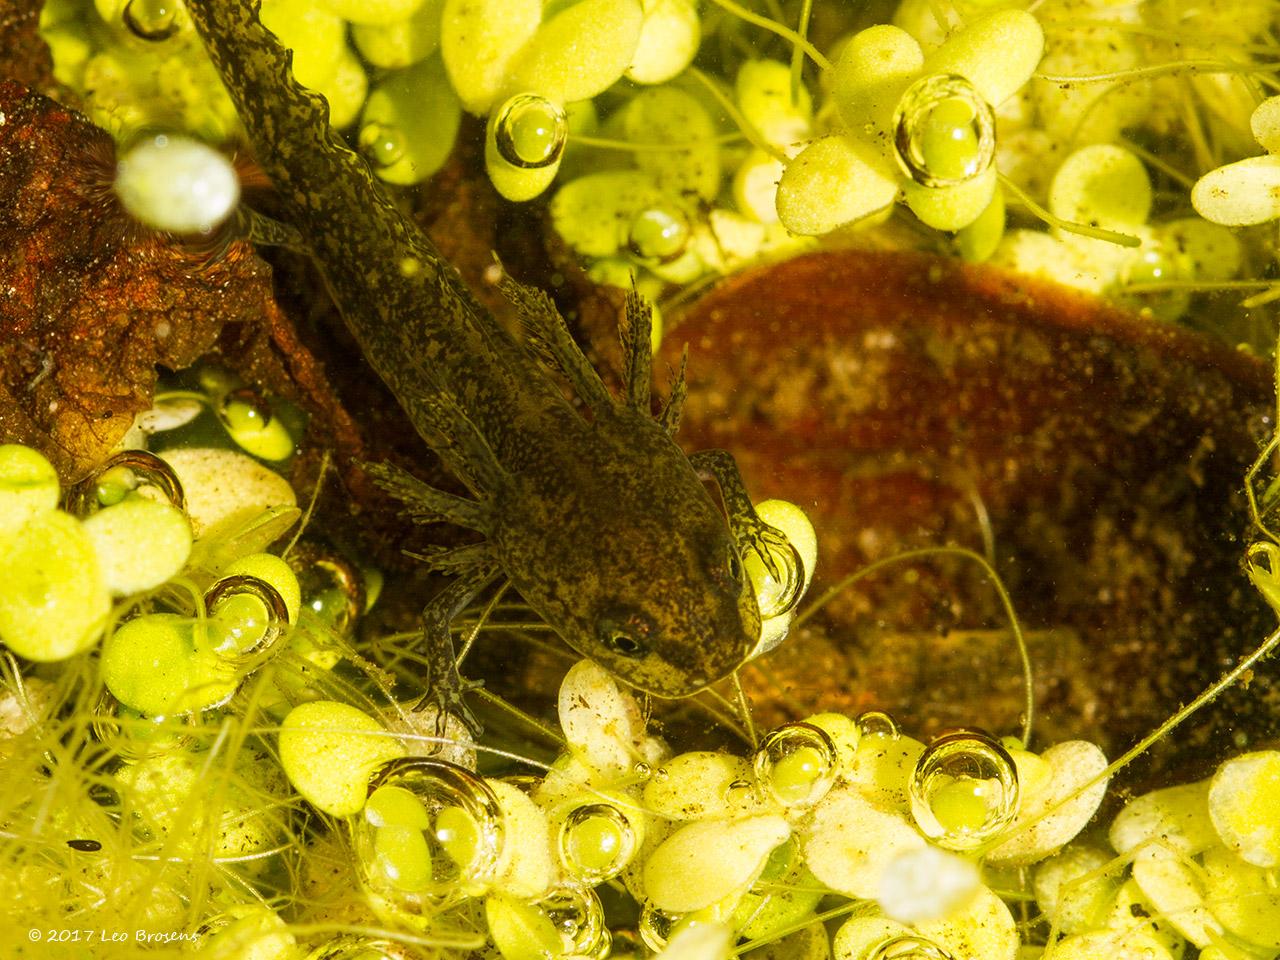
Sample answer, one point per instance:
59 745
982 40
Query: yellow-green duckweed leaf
1244 804
380 13
403 856
315 34
700 785
225 488
755 186
147 664
1102 185
140 543
390 805
176 183
1241 193
184 796
55 601
858 937
979 240
699 941
669 115
410 122
597 717
844 734
521 931
795 525
1175 889
255 431
580 52
984 928
251 932
329 750
479 39
833 182
594 213
1066 898
345 92
968 53
1112 944
1177 817
785 892
1265 124
704 862
1211 251
669 39
874 68
850 841
393 46
883 767
28 486
763 90
1074 763
524 143
526 865
952 207
1243 897
273 570
598 834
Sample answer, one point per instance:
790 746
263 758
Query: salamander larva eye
623 643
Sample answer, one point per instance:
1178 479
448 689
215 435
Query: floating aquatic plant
202 745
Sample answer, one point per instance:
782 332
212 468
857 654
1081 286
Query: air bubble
655 926
248 420
332 587
578 916
430 834
597 842
530 131
132 736
908 947
795 764
964 790
151 20
877 723
944 132
252 617
777 590
659 234
121 475
382 144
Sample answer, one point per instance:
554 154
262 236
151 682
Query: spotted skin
601 523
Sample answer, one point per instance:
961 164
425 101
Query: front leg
445 686
752 533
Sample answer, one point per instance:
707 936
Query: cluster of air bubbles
430 831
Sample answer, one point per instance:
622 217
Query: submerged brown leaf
89 305
907 402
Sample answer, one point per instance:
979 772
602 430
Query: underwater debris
91 306
921 402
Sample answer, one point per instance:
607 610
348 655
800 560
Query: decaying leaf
89 304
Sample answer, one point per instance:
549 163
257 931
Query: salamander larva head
688 629
629 558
